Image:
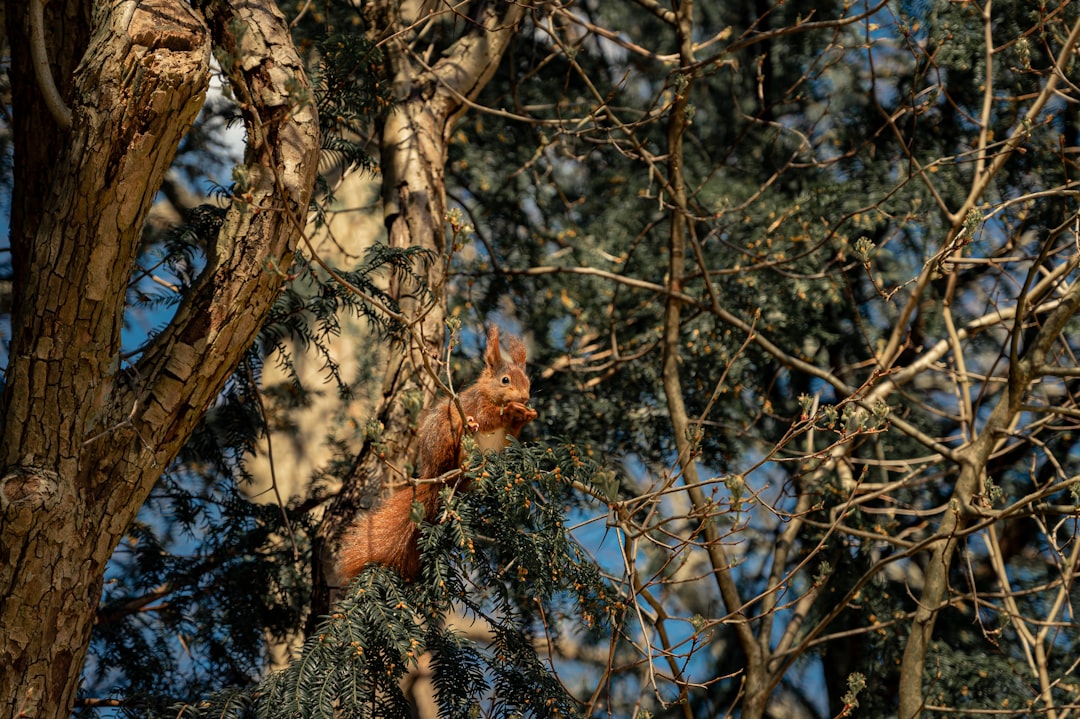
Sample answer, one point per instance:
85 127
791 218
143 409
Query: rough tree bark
413 149
86 434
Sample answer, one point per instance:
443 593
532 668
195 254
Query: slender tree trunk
756 686
973 460
84 435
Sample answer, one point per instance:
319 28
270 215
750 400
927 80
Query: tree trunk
84 435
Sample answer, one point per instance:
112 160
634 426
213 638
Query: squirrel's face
511 385
504 380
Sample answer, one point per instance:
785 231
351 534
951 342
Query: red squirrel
495 407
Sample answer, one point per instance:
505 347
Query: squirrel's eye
506 379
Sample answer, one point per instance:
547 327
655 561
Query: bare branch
42 71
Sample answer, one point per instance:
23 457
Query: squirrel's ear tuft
492 358
517 350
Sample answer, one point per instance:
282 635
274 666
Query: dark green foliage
498 553
178 615
349 91
791 160
972 681
459 672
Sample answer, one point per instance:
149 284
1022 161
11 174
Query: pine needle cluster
350 90
308 313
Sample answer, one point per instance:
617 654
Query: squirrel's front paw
520 413
472 425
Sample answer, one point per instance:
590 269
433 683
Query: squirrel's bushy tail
387 535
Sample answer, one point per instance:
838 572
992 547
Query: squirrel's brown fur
495 406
